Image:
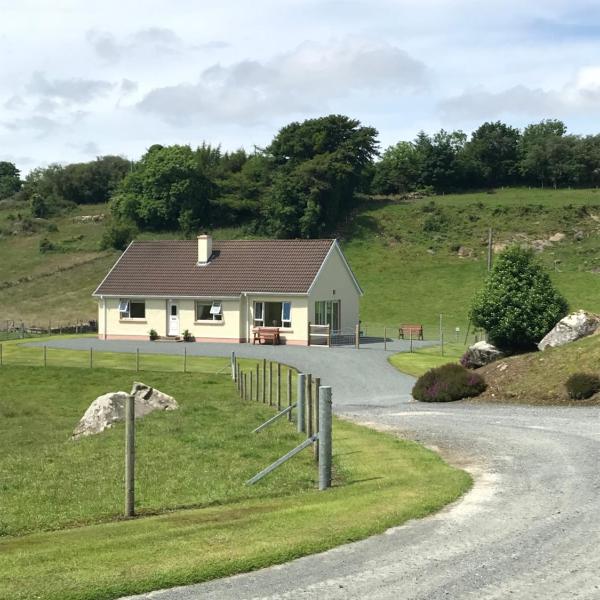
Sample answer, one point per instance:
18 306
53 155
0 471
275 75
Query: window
209 311
132 309
286 314
327 312
273 314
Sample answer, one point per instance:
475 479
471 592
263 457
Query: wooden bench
410 331
266 334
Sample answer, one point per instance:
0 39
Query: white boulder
571 328
480 354
110 408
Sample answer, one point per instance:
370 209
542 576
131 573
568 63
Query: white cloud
75 89
305 79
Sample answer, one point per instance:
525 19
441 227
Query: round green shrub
518 305
582 385
447 383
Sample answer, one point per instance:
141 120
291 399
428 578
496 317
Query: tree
492 154
318 165
518 304
398 171
167 190
10 181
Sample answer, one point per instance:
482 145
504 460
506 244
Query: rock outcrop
481 354
109 408
571 328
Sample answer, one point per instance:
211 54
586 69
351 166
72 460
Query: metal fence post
309 406
325 445
130 456
301 382
278 386
233 366
289 388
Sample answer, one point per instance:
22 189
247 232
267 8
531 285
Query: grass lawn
61 536
422 359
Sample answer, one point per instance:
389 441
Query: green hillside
405 254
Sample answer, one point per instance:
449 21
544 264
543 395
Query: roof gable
169 268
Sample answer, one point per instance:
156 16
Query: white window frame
215 311
260 322
256 321
286 323
125 309
324 312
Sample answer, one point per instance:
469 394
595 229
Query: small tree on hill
518 304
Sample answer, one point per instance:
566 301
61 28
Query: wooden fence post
329 335
308 334
385 338
245 386
278 387
357 336
257 373
300 400
130 456
1 355
251 385
289 386
316 413
91 357
233 373
184 359
44 355
270 383
411 344
137 359
325 446
309 406
264 381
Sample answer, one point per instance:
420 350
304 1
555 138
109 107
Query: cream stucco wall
335 283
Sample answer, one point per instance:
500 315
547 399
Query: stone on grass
481 354
109 408
571 328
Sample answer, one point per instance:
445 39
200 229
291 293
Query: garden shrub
447 383
519 304
153 335
582 385
188 337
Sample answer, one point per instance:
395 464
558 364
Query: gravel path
529 529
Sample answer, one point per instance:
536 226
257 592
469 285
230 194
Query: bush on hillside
582 385
447 383
117 236
518 305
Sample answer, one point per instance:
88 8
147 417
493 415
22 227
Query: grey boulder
571 328
109 408
481 354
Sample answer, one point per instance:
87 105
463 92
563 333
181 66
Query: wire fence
14 329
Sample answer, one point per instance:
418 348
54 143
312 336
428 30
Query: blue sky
81 79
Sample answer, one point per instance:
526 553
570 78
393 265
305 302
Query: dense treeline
305 181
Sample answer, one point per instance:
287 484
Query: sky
83 79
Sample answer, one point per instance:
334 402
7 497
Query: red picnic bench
266 334
414 332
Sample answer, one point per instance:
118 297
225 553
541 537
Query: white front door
173 318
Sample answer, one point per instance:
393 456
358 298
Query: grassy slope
409 274
197 456
539 377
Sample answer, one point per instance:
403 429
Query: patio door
173 323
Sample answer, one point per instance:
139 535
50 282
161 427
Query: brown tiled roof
169 268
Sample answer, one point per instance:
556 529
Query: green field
404 253
61 533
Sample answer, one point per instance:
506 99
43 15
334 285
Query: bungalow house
221 291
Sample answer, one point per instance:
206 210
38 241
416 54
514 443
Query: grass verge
198 456
422 359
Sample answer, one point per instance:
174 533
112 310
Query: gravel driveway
529 529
